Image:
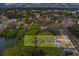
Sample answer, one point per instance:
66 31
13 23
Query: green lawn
41 40
46 40
28 40
46 43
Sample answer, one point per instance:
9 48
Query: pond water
6 43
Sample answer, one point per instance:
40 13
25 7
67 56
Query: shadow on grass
43 51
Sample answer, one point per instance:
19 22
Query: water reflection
6 43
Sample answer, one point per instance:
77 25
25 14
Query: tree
74 29
10 52
33 29
20 35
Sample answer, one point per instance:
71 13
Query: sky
39 1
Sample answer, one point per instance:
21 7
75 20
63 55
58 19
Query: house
3 17
3 26
12 21
44 27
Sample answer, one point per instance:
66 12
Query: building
3 26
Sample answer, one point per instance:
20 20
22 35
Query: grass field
41 40
46 43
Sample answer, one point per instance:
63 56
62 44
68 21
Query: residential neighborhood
39 32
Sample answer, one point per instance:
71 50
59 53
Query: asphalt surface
72 38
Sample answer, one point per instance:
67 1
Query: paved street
71 40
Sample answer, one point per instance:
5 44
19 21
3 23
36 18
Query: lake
6 43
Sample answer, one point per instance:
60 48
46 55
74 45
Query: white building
3 26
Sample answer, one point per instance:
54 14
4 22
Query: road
72 38
67 44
